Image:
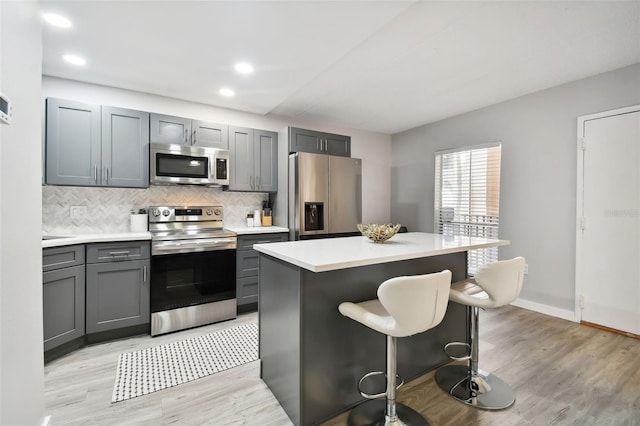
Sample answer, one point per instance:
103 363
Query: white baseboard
546 309
46 421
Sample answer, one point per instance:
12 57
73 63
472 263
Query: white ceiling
384 66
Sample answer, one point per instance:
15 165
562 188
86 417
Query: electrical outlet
78 212
526 268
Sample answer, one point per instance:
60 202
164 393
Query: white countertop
247 230
329 254
67 240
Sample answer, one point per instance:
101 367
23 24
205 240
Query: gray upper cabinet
337 145
303 140
125 148
90 145
172 130
73 143
212 135
254 160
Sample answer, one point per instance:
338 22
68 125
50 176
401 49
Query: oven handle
188 246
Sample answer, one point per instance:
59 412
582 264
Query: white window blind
467 197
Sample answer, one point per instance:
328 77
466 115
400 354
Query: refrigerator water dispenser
313 216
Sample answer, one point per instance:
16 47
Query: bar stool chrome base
487 391
372 413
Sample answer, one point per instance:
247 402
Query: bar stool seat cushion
495 284
405 305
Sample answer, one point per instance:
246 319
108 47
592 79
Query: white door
608 246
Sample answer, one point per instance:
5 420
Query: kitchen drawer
62 257
246 242
247 263
120 251
247 290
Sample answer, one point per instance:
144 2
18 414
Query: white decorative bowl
378 233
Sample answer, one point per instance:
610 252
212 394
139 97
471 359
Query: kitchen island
311 356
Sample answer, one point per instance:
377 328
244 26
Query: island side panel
338 351
279 325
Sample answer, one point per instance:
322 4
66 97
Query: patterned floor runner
160 367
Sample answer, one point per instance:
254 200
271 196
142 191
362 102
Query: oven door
188 279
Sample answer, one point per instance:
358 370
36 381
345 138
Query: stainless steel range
193 265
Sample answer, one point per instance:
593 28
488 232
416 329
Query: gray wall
538 179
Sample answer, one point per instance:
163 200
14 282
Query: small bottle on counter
249 219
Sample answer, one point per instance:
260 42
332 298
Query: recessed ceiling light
57 20
244 68
74 59
227 92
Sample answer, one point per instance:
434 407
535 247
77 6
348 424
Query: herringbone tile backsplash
108 208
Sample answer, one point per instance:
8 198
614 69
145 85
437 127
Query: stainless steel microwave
188 165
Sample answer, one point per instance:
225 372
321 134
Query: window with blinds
467 197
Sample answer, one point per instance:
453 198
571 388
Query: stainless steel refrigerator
325 195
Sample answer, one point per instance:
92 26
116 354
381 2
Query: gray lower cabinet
118 288
63 295
248 265
303 140
172 130
253 160
93 145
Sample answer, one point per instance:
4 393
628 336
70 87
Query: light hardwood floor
563 373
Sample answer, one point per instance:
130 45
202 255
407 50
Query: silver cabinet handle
106 173
95 173
119 253
193 139
326 145
144 274
186 135
257 182
251 181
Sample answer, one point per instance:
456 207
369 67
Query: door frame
580 199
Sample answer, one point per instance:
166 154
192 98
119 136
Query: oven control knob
217 212
166 213
155 212
209 212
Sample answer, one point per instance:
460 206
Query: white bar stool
405 306
495 284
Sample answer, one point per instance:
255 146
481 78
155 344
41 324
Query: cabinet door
337 145
212 135
117 295
241 154
125 148
72 143
266 160
63 305
170 130
302 140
